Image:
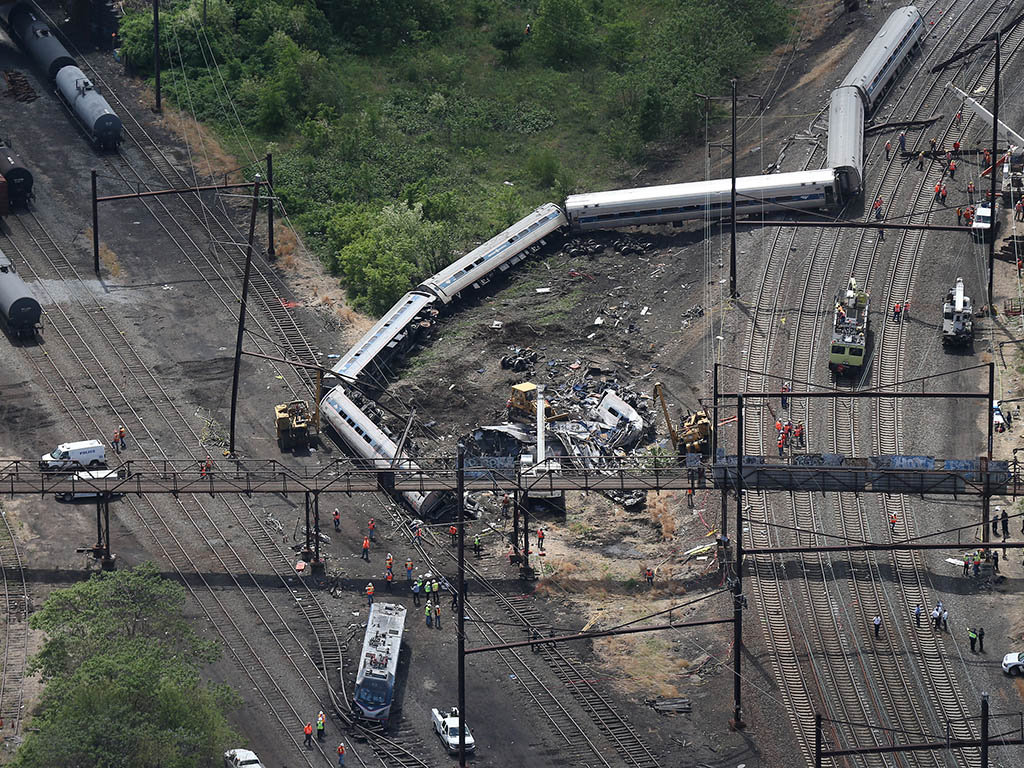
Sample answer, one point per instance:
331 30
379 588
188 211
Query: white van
87 491
86 453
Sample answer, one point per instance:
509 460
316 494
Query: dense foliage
438 106
121 668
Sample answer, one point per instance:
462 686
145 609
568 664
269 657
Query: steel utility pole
992 173
732 201
737 607
270 204
156 49
460 492
95 228
241 311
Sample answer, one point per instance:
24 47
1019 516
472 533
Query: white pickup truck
446 725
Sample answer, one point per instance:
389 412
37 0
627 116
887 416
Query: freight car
17 176
102 126
18 306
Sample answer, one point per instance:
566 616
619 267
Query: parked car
446 726
87 491
84 453
241 758
1013 663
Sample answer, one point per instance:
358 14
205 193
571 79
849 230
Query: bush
543 167
564 32
507 37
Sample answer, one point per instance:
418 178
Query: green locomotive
848 350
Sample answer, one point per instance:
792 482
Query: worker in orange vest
337 519
369 594
970 191
206 467
892 523
308 731
371 527
389 562
366 549
649 575
897 310
540 539
408 571
798 434
454 533
938 191
388 578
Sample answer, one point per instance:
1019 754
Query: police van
85 453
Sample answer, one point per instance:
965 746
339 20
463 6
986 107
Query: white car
982 221
1013 663
446 726
241 758
86 490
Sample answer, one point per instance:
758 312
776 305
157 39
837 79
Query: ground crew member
934 142
903 141
371 527
892 523
942 194
206 468
1018 211
878 208
435 592
959 215
366 549
968 217
540 539
419 533
341 755
477 546
389 561
938 191
369 594
952 169
388 578
949 157
416 592
649 575
959 115
973 637
888 148
308 731
689 498
782 443
1005 518
114 443
936 617
426 590
337 519
798 433
528 28
945 620
321 720
778 426
437 615
785 398
1020 265
977 566
956 148
920 161
455 600
995 523
877 621
897 310
917 615
970 191
967 565
454 533
429 613
408 571
506 503
988 157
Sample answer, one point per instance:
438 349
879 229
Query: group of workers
321 723
788 434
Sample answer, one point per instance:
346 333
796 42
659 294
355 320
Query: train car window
856 352
838 349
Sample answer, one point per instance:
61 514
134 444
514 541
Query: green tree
507 37
123 690
564 32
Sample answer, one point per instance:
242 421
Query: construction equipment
293 421
694 435
522 405
957 317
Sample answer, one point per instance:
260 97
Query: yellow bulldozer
293 422
522 405
694 435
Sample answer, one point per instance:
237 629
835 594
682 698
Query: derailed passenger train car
885 55
846 140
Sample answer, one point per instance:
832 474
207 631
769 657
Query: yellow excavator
522 405
293 422
694 435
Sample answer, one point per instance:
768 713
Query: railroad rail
16 606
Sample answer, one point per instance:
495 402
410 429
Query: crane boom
659 390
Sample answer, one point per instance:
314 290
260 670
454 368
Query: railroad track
81 335
17 605
860 691
575 743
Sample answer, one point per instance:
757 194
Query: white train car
885 55
378 663
497 254
367 441
846 139
694 200
386 334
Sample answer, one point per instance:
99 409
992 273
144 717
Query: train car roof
381 334
881 44
382 641
744 185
